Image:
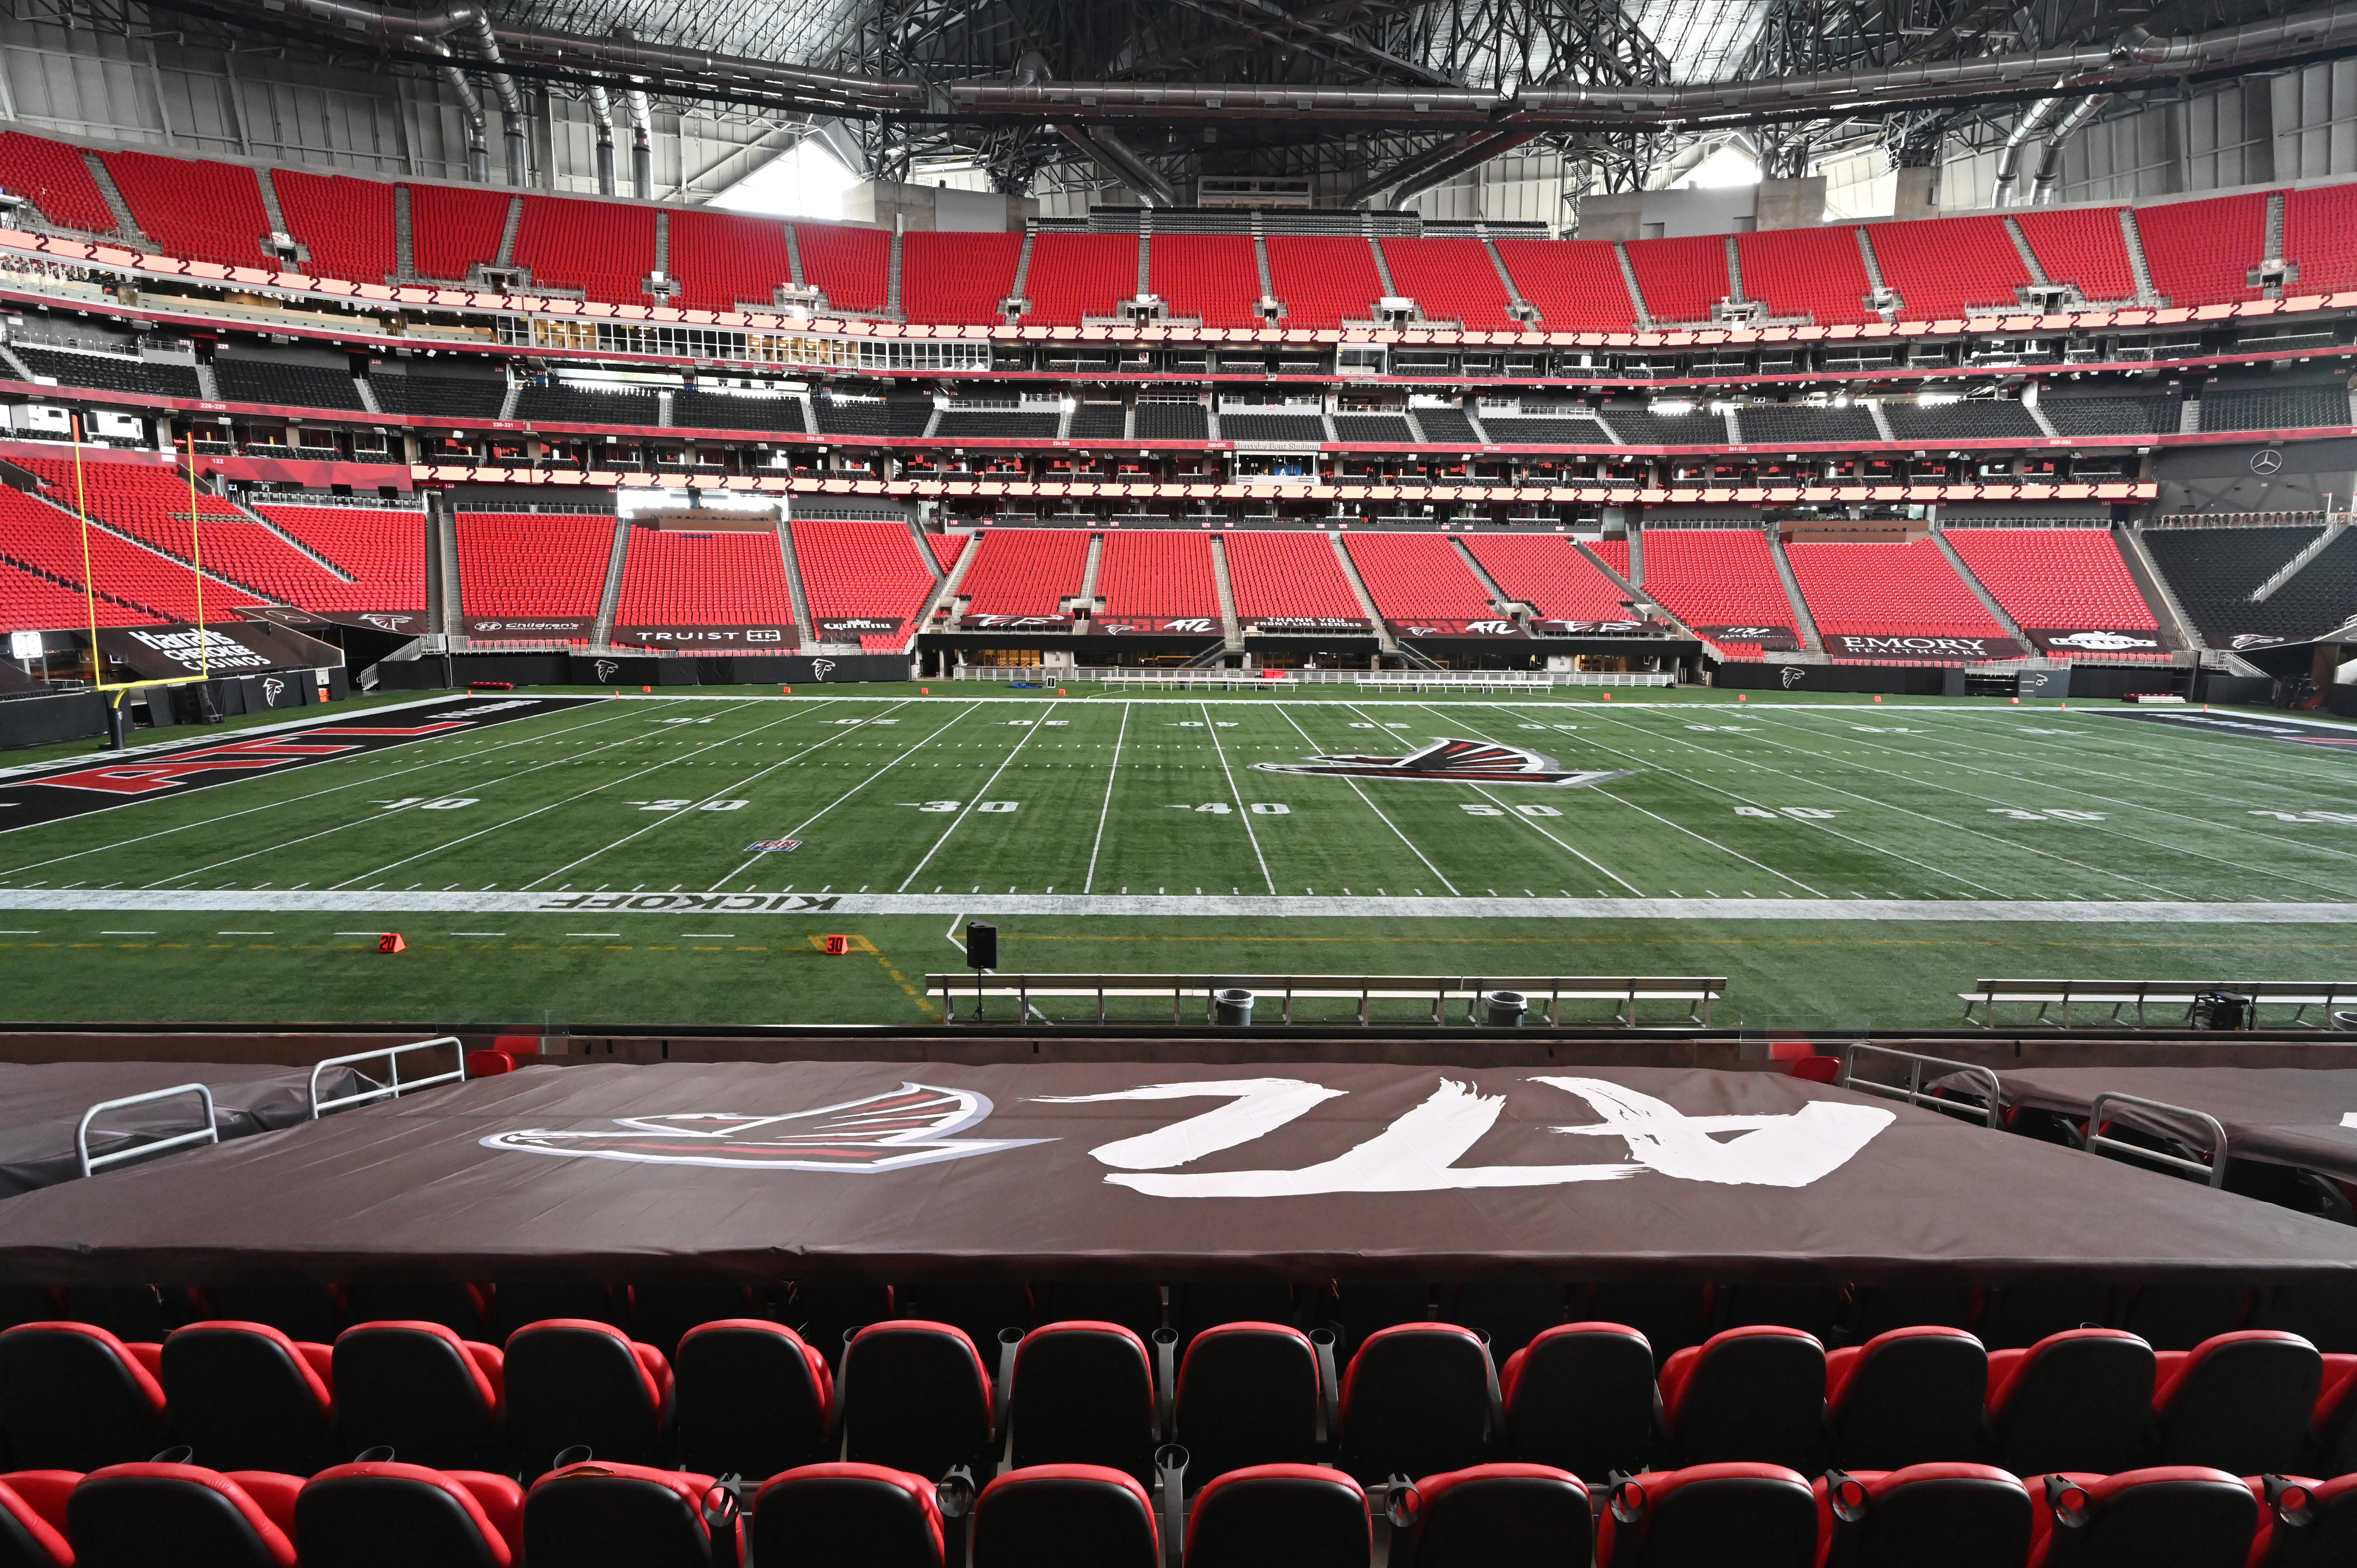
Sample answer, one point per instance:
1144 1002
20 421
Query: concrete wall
1670 214
922 208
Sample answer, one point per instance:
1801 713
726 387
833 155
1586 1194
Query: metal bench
1193 996
2055 999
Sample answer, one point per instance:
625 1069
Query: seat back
1912 1396
847 1516
1754 1394
1247 1395
1581 1398
1083 1393
536 1301
1925 1516
1075 1514
137 1516
305 1312
73 1396
574 1383
1496 1516
2183 1515
2080 1401
1705 1516
751 1398
2239 1403
419 1389
245 1397
662 1315
597 1515
914 1396
456 1306
396 1515
1416 1401
978 1308
30 1537
1279 1516
2314 1525
1512 1313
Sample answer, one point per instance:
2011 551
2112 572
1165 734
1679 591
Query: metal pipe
1412 176
2026 127
1107 148
2049 168
601 109
642 145
471 108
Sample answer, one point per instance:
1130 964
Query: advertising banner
1180 626
2063 642
180 652
404 623
1015 623
1916 647
1297 626
1442 627
532 629
851 628
1770 639
708 638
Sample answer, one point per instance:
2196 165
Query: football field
579 858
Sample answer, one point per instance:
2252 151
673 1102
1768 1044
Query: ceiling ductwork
1111 153
408 32
2026 127
601 110
2050 167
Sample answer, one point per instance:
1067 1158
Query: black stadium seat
301 1312
1418 1399
574 1383
752 1399
1672 1317
1706 1516
1911 1396
1081 1515
822 1314
2305 1523
76 1398
914 1395
461 1308
2239 1403
375 1515
245 1397
33 1519
1925 1516
139 1516
1755 1394
662 1313
600 1514
980 1309
1279 1516
1083 1393
847 1516
1248 1394
513 1306
1581 1397
419 1389
1495 1516
2183 1516
2081 1400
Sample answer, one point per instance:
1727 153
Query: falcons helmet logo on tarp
1450 761
909 1126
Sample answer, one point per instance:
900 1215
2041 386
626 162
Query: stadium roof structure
816 1170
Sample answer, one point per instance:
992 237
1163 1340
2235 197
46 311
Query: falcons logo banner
1450 762
912 1125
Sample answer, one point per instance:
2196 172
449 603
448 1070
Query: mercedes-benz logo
2266 460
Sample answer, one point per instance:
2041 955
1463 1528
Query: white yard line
1380 817
1244 810
1089 883
967 809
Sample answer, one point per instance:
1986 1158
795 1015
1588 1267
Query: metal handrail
208 1134
2214 1172
1546 994
1913 1093
392 1054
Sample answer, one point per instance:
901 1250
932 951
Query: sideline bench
2057 997
1193 995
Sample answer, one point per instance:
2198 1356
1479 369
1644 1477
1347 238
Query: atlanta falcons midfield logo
909 1126
1450 762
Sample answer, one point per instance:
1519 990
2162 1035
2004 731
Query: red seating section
1887 590
551 563
1450 280
602 248
722 258
56 180
346 224
1077 275
947 548
1680 279
2320 235
2202 252
1942 265
1157 571
852 266
864 569
1812 271
150 502
1025 571
2083 245
957 277
452 227
674 577
1710 576
1576 283
35 534
199 210
1212 276
1280 575
1548 572
1615 553
2062 578
1418 576
30 603
383 547
1324 279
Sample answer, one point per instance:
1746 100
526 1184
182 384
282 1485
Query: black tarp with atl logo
2288 1116
764 1172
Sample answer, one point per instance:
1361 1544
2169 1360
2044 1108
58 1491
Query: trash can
2345 1019
1503 1009
1232 1008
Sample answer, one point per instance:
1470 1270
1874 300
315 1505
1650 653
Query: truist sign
1909 647
771 637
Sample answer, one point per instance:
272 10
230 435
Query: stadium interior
1377 784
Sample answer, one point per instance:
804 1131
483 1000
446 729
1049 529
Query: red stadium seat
1755 1394
1682 278
1817 272
1418 1399
1495 1516
847 1516
1706 1516
1083 1393
419 1390
2183 1515
2303 1523
597 1515
2239 1403
1911 1396
33 1519
2082 1398
1279 1516
753 1399
53 175
137 1516
1064 1514
382 1515
1248 1395
914 1395
245 1397
574 1383
1576 283
73 1396
1581 1397
1924 1516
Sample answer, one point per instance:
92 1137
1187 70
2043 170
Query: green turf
1979 804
